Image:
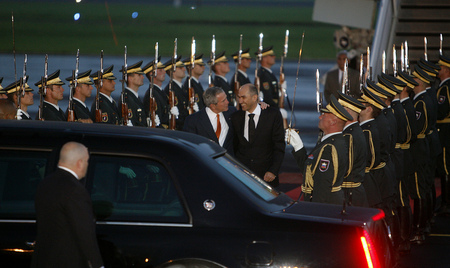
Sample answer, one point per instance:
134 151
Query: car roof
29 128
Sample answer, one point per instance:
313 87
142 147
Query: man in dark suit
53 93
333 83
258 136
64 216
214 121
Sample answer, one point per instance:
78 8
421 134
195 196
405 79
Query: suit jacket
136 110
110 112
65 224
198 92
220 82
162 104
269 86
50 113
266 152
324 170
200 124
332 85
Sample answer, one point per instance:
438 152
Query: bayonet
191 88
425 43
318 97
368 75
383 62
406 57
344 77
361 70
212 60
440 44
402 58
394 60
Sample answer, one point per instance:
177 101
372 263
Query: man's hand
269 176
127 172
263 105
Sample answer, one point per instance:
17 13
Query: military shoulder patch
104 117
266 85
130 113
441 99
311 156
324 164
418 114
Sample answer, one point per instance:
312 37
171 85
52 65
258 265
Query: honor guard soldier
162 102
220 68
197 71
325 167
443 126
242 75
176 85
80 93
26 98
53 93
354 192
136 110
269 84
109 112
2 91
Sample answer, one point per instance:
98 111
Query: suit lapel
208 126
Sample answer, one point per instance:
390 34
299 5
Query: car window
125 188
21 172
249 179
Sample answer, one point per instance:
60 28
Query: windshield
253 182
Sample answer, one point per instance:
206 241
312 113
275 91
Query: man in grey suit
333 83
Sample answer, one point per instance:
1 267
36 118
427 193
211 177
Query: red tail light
379 216
369 251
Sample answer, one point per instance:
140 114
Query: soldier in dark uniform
325 167
53 93
268 81
81 92
176 85
354 192
443 126
220 68
26 98
197 71
137 114
242 76
109 113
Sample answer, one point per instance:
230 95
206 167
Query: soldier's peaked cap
444 61
219 58
421 74
149 67
399 84
387 86
52 79
197 61
134 68
267 51
15 86
350 102
178 63
378 91
244 55
407 79
430 71
107 74
82 78
369 97
337 109
430 64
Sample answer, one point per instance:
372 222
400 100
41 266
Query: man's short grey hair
210 95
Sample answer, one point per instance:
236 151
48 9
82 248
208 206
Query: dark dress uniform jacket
324 170
200 124
269 86
402 125
181 102
220 82
162 104
412 131
24 116
266 151
65 224
357 164
443 125
136 110
198 92
110 112
80 111
242 79
385 176
50 113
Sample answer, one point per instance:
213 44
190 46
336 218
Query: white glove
261 96
129 124
293 139
284 85
195 107
283 113
174 111
19 114
127 172
157 120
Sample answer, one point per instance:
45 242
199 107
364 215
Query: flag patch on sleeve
324 164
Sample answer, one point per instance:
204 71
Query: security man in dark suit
53 93
197 71
137 114
109 111
354 192
258 136
64 216
81 92
213 121
220 68
26 98
325 167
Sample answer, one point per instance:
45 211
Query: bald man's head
74 156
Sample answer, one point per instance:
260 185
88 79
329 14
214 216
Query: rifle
319 95
361 78
344 78
236 81
191 88
98 111
282 92
124 106
441 39
152 101
21 90
42 89
425 44
172 122
296 79
213 60
368 71
394 61
402 58
383 62
258 59
70 112
407 69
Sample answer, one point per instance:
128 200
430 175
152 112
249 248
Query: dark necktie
251 128
219 127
